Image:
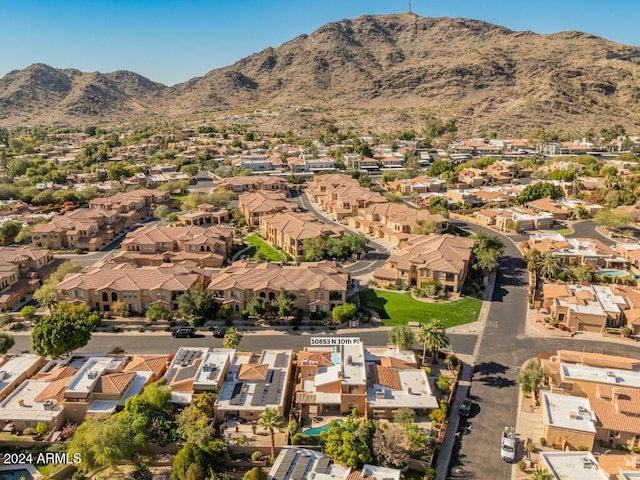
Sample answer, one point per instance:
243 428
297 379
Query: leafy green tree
531 376
417 438
539 190
197 305
151 414
232 338
549 265
191 170
581 272
8 231
270 420
258 306
285 303
433 337
439 167
343 313
161 212
613 219
78 310
6 342
104 443
189 459
256 473
59 334
158 311
401 337
425 227
487 251
28 312
45 295
349 442
404 416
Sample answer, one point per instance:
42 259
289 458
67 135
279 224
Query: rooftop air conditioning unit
380 393
92 374
49 404
206 367
586 462
610 374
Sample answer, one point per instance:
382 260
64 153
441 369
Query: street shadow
490 368
496 381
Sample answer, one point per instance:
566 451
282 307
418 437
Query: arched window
262 295
272 296
114 297
105 297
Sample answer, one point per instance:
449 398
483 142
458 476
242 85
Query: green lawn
178 196
565 231
267 250
400 309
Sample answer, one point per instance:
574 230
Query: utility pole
410 6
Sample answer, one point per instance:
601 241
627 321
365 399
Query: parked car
465 407
184 332
220 332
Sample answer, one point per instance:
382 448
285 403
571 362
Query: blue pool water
316 430
15 474
612 273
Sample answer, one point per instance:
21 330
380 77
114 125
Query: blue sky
170 41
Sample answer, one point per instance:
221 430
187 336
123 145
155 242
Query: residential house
394 222
584 381
474 177
154 245
254 383
15 370
133 205
331 381
22 270
587 308
502 171
205 214
515 219
630 252
417 185
194 370
572 465
549 205
445 258
84 228
568 421
289 230
254 182
102 285
254 205
341 195
318 286
303 464
586 251
101 386
618 414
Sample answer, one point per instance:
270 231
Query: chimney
615 396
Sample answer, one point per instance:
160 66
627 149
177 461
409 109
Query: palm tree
270 419
548 265
541 474
433 337
231 338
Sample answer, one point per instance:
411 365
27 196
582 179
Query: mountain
374 72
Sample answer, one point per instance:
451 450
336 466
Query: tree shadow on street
490 368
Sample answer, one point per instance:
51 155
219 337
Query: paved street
503 349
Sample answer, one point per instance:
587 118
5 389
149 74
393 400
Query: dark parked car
220 332
465 407
184 332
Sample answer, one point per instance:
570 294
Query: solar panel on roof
274 388
301 467
322 465
257 394
285 465
281 360
236 395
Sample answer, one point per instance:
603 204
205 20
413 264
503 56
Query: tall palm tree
270 419
548 265
433 337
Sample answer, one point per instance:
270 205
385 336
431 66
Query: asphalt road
502 351
164 343
376 255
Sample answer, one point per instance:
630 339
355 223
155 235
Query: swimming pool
612 273
15 474
316 430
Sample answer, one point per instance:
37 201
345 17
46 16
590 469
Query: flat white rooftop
415 393
16 367
608 376
353 365
213 368
565 411
135 387
22 404
376 354
573 465
85 379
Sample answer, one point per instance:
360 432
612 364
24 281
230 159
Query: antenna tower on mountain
411 5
